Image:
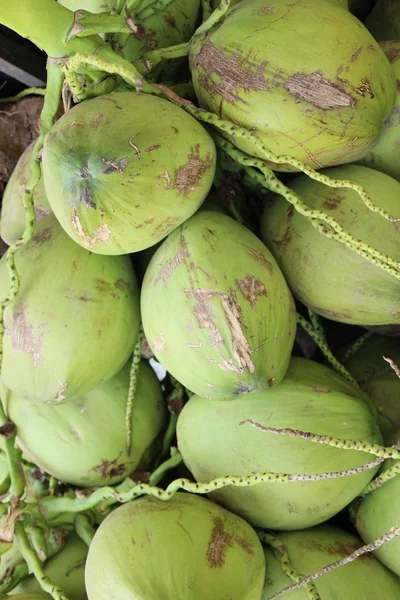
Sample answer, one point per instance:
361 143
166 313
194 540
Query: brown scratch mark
102 286
356 54
333 202
320 389
244 544
317 90
114 166
260 258
41 238
122 285
97 120
151 148
252 288
365 88
224 75
189 175
22 335
167 225
220 541
203 312
135 147
169 267
167 178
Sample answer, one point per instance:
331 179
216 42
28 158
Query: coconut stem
384 477
170 463
136 358
87 24
390 535
34 91
282 555
35 565
84 528
354 348
359 445
320 339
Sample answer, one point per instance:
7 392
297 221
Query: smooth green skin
146 192
379 381
74 322
187 548
324 274
86 435
216 310
12 222
310 398
377 513
309 98
310 550
66 569
384 20
384 155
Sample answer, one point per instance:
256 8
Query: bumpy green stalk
87 24
38 541
390 535
137 354
355 346
35 566
282 555
34 91
391 473
14 460
359 445
171 463
84 528
320 339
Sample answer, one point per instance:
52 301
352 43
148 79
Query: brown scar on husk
220 541
41 212
234 73
333 202
252 288
114 166
365 88
22 335
260 258
44 236
189 175
173 263
318 91
167 178
203 313
356 54
102 233
110 468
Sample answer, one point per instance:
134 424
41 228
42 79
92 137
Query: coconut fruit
123 170
230 321
66 570
214 442
74 322
309 98
384 155
384 20
325 274
187 548
379 380
86 435
311 550
12 222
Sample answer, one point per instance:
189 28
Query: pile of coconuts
200 304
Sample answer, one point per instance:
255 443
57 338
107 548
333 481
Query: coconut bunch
200 368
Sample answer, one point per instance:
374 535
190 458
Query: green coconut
123 170
378 379
87 434
311 550
326 275
376 513
74 322
384 20
12 222
187 548
66 570
311 398
313 99
216 310
384 155
93 6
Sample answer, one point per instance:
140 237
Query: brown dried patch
187 177
333 202
114 166
110 468
219 543
41 238
318 91
41 212
23 337
151 148
245 544
167 226
225 75
323 390
102 233
341 548
252 288
97 120
203 312
365 89
266 10
170 20
102 286
122 285
7 430
173 263
356 54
